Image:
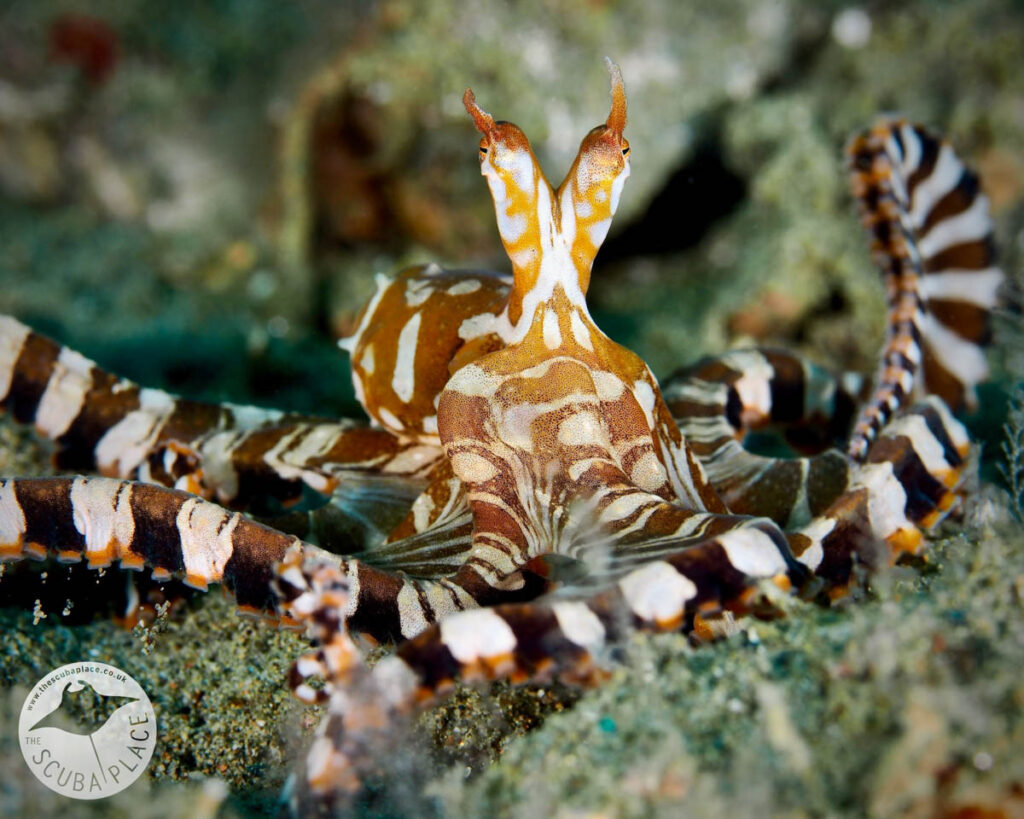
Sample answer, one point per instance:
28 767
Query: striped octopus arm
931 237
175 534
233 453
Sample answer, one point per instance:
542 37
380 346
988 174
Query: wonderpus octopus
549 493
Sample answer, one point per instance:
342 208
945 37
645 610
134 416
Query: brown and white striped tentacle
99 421
906 483
932 238
542 640
101 520
177 534
278 460
231 452
717 401
442 501
363 705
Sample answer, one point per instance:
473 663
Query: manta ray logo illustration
87 730
85 708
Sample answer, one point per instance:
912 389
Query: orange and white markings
535 435
64 394
403 382
473 468
410 334
291 456
13 335
127 443
205 531
657 593
12 522
927 448
412 461
932 240
326 769
103 515
752 552
579 624
477 636
887 499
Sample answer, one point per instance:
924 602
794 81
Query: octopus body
507 430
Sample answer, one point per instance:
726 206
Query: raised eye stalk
484 122
616 121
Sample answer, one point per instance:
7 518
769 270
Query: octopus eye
483 151
625 151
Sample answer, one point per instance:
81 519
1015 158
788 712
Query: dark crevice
704 189
697 195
